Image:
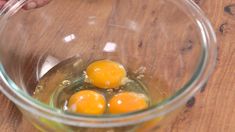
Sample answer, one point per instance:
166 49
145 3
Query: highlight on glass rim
103 65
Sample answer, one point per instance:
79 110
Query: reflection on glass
92 20
110 47
132 25
49 63
69 38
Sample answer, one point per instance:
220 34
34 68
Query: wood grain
214 110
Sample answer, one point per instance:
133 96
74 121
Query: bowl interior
153 36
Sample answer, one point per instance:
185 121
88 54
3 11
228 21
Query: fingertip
2 3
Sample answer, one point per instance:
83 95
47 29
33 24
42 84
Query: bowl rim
206 66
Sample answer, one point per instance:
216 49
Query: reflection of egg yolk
127 102
87 102
150 125
106 74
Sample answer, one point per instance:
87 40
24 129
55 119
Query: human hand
31 4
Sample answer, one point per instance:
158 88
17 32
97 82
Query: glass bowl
171 42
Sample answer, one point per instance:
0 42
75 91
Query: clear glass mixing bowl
171 40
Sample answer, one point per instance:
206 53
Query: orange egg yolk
87 102
127 102
106 74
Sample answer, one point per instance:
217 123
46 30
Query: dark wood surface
214 110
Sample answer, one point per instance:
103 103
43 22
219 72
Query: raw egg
87 102
106 74
127 102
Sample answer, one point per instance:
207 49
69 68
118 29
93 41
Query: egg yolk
87 102
105 74
127 102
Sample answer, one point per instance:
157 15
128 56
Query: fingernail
31 5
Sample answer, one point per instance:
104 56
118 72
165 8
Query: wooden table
214 110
